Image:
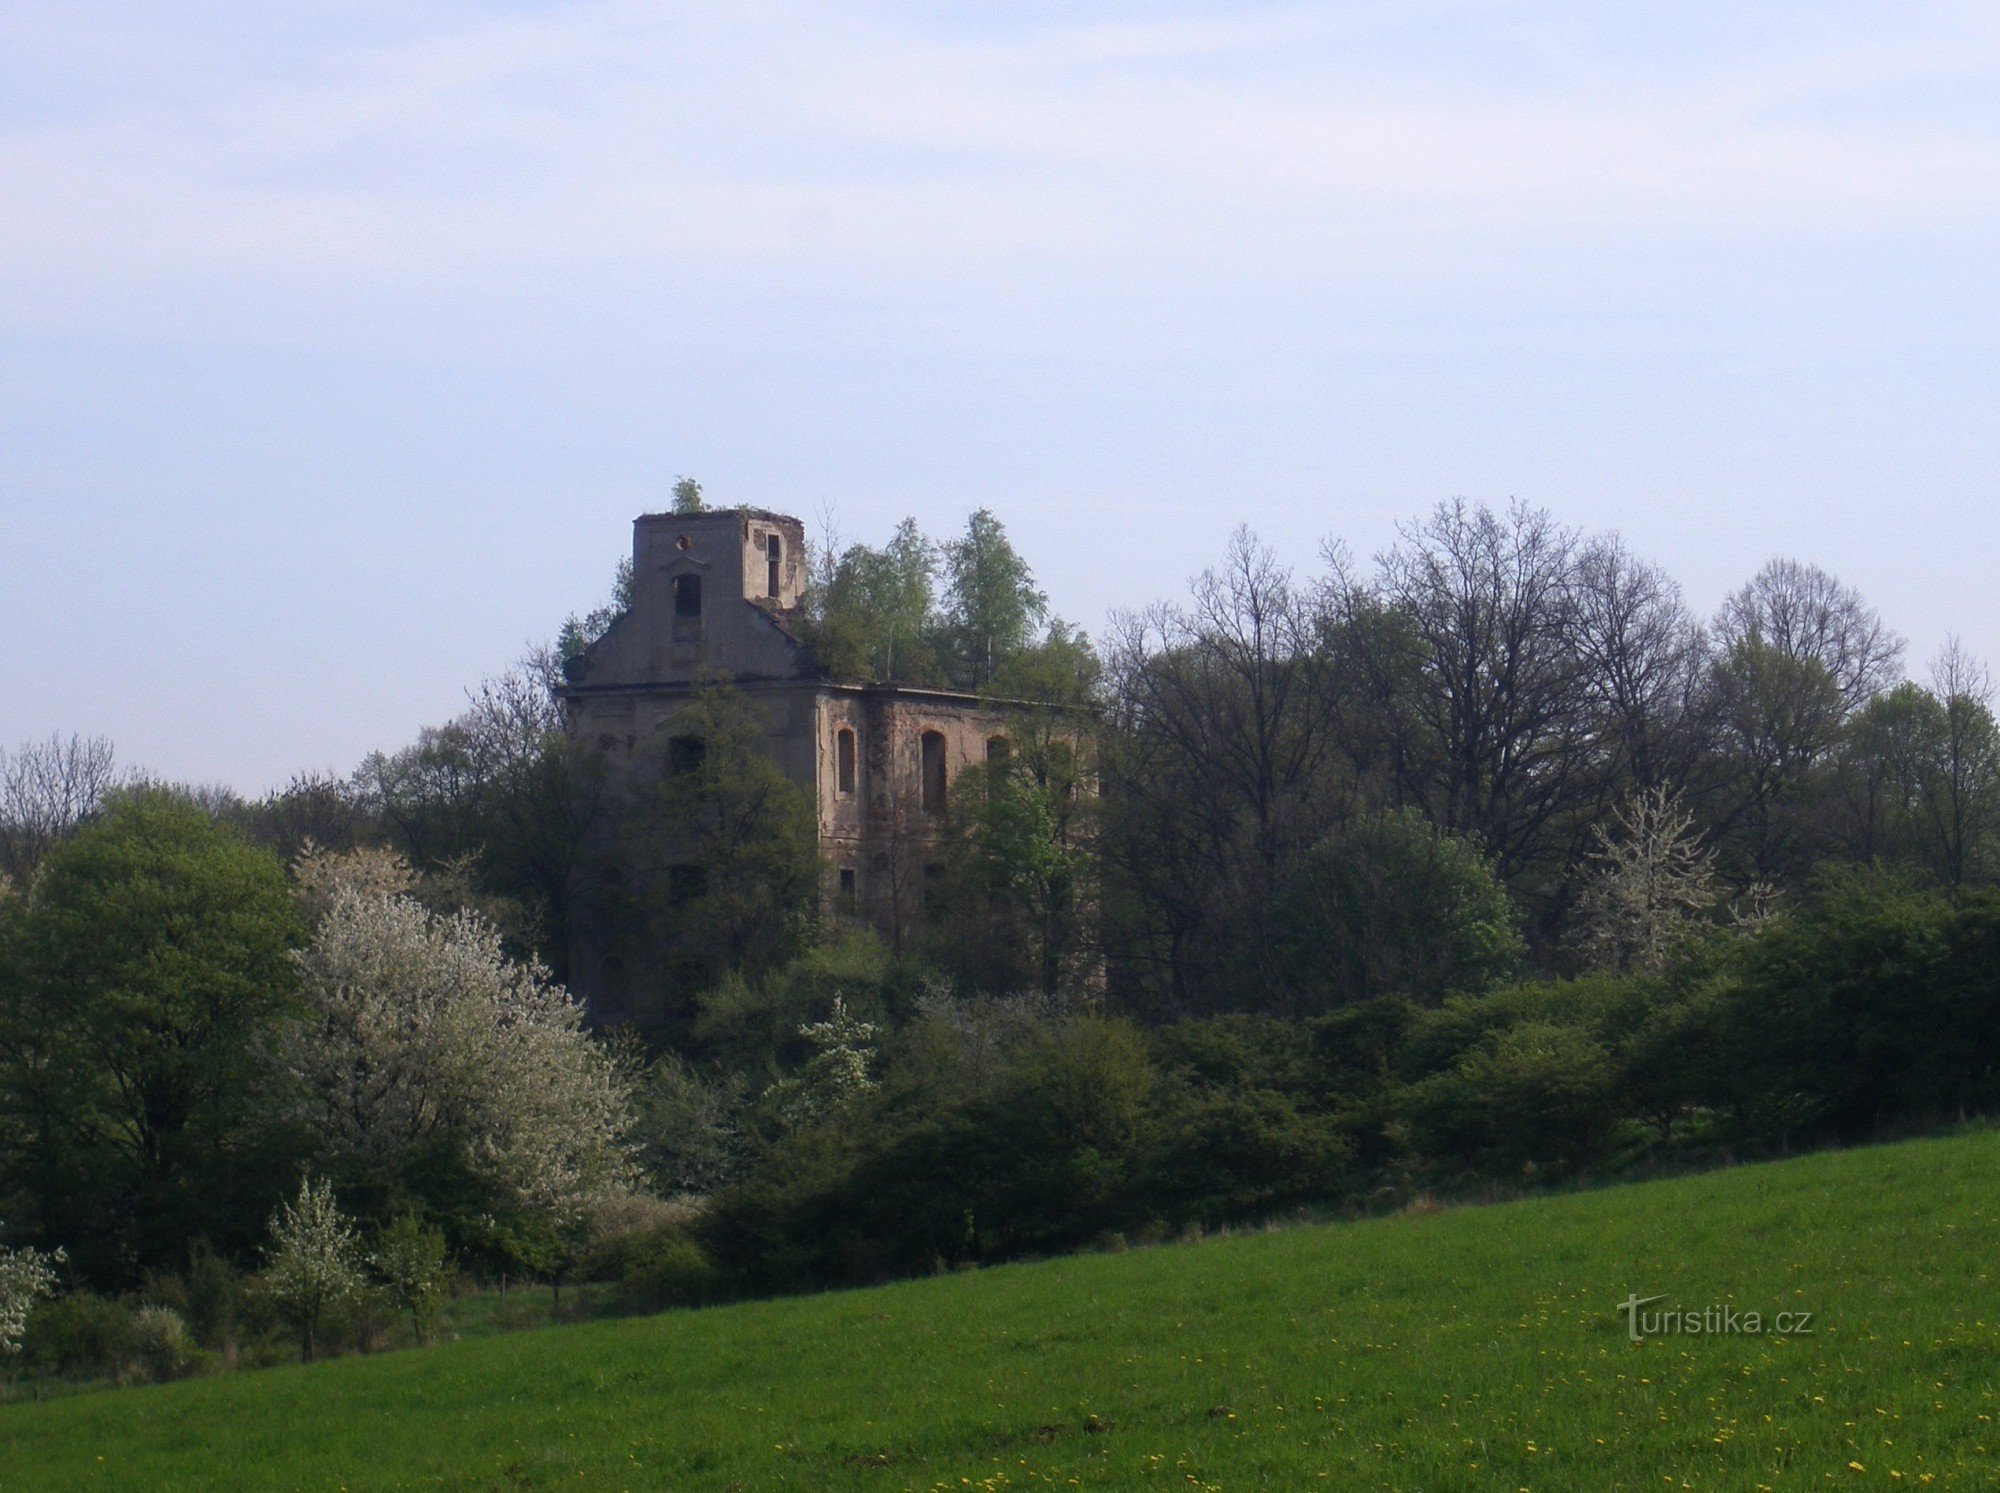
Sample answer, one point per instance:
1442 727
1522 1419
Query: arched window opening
775 551
687 596
843 752
932 745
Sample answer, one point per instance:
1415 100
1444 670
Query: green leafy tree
578 633
876 613
687 496
414 1262
729 871
1388 905
1020 902
499 800
144 978
992 607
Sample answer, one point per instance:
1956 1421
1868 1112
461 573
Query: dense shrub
664 1267
161 1345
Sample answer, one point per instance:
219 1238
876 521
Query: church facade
717 595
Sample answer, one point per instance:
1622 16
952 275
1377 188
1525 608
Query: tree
1779 722
47 789
144 977
1645 669
1498 700
1958 776
27 1276
502 796
992 607
1803 614
1220 768
312 1265
1653 881
875 617
576 635
687 496
1388 905
838 1072
725 861
420 1037
414 1263
1020 900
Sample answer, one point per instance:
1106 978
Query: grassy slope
1476 1348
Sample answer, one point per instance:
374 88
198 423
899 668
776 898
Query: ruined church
718 594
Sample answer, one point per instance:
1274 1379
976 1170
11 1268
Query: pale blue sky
339 342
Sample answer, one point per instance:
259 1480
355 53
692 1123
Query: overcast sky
340 341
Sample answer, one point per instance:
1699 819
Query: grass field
1474 1348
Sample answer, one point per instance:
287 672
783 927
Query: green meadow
1463 1348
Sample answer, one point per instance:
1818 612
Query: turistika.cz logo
1707 1321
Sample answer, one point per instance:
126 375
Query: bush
664 1267
80 1336
1533 1097
160 1343
1229 1156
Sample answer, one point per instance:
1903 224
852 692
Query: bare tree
1498 696
1644 657
1222 755
48 788
1960 788
1805 615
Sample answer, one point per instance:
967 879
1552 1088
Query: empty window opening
686 753
613 992
999 752
687 596
849 889
843 753
775 551
933 771
686 884
933 893
684 544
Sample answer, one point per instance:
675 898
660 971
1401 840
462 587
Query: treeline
1486 864
1518 684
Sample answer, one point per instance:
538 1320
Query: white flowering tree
1653 884
837 1073
313 1263
27 1276
418 1029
